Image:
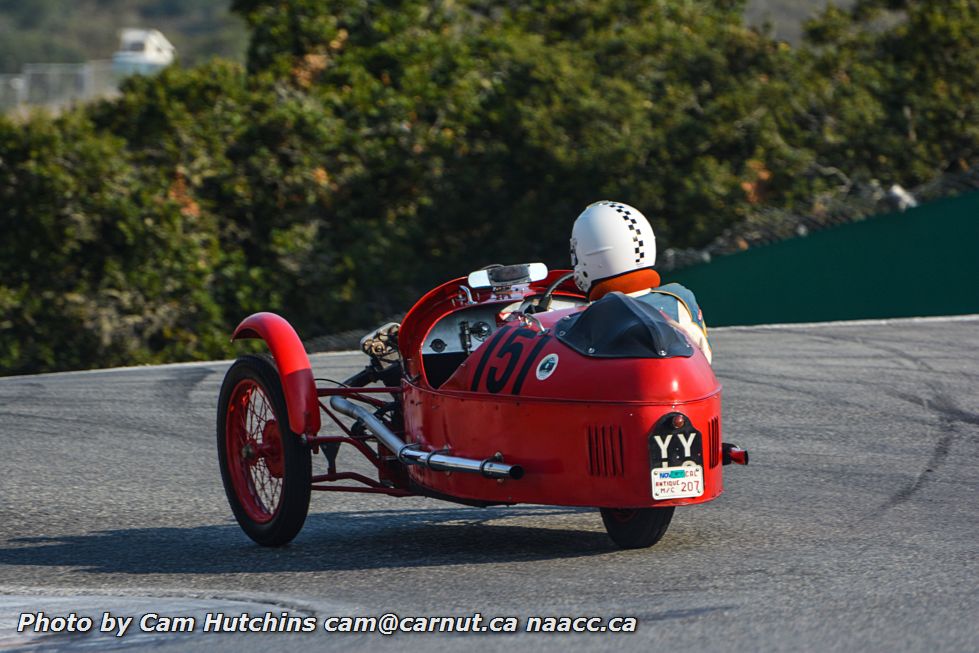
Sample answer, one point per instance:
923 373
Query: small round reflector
678 421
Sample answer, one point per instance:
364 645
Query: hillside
80 30
370 150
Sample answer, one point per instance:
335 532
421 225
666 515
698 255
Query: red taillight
678 421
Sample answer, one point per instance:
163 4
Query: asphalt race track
854 528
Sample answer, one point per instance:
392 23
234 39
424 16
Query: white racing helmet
609 239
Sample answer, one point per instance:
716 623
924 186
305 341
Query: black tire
285 464
636 528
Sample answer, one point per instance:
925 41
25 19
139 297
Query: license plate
678 482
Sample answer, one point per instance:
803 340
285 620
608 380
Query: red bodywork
582 434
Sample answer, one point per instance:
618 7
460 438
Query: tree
893 93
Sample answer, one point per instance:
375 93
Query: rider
613 249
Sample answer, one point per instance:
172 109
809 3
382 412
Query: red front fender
293 364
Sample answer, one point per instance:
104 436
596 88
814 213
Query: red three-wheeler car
507 387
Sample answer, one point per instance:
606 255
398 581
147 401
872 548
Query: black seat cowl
620 326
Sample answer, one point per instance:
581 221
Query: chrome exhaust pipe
412 454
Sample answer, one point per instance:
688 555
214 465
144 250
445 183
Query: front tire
636 528
265 468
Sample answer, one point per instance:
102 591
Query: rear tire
265 468
636 528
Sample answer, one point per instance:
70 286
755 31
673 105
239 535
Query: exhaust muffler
413 454
732 453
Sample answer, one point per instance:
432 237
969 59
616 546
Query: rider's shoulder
673 288
683 294
671 284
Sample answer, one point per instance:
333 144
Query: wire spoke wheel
265 468
255 451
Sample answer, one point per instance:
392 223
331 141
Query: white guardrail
56 85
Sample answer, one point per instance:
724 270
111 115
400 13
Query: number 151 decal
507 357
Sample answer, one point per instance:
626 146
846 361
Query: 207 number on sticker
678 482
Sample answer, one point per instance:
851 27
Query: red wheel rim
254 449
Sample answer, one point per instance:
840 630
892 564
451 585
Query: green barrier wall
924 261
